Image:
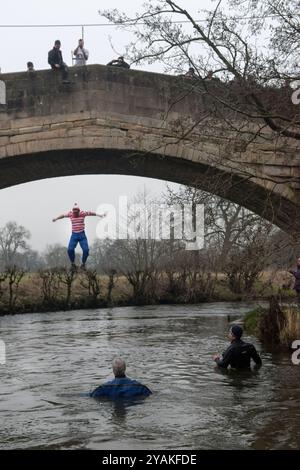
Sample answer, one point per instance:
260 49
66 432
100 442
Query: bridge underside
50 164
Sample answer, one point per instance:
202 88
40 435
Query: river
51 359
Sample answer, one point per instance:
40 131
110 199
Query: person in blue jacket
121 386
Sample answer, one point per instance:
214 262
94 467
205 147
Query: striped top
78 224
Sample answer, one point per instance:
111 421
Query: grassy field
31 295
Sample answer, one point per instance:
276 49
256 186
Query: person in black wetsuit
239 354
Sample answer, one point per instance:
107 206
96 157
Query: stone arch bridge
114 121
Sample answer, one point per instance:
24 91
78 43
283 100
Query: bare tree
91 281
67 278
55 256
3 277
137 260
111 285
237 243
30 260
50 285
228 226
14 276
13 241
217 44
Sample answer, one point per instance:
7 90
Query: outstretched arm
95 214
59 217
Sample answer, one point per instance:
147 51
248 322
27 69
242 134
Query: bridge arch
126 122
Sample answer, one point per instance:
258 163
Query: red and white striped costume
78 224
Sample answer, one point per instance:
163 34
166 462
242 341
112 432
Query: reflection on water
54 358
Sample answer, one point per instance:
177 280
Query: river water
51 359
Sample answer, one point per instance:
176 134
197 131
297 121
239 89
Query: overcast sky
35 204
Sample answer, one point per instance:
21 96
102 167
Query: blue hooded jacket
121 387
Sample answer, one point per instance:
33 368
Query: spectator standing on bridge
119 62
55 60
78 234
30 67
121 386
296 275
239 354
81 54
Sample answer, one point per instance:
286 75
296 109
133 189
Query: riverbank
278 325
61 290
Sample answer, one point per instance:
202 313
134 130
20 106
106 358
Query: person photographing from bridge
81 54
119 62
78 234
239 354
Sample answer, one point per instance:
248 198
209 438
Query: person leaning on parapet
55 59
121 386
81 54
210 77
296 275
239 354
190 74
119 62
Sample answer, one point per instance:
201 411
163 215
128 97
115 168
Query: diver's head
235 332
119 367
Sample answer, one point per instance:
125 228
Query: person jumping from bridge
78 234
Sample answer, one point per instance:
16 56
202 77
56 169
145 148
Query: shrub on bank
291 329
276 326
252 321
